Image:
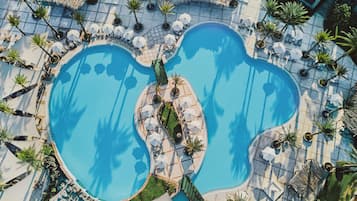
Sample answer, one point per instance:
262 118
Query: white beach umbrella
147 111
186 102
295 54
279 48
108 29
139 42
336 100
177 26
190 114
185 18
151 124
268 153
160 162
119 31
57 47
170 39
194 126
155 139
73 35
93 28
128 34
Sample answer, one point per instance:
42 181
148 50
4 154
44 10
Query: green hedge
155 188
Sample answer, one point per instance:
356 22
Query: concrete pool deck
312 101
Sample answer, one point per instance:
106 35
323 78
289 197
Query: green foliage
170 119
4 107
293 14
78 17
30 157
271 7
41 12
349 40
4 135
133 5
342 15
13 20
322 57
327 127
39 40
167 8
335 190
323 36
238 197
177 80
193 146
21 80
47 150
13 55
154 189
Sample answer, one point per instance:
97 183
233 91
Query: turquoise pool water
93 99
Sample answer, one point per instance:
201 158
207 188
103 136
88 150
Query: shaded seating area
308 181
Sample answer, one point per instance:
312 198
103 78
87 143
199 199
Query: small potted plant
278 36
233 3
92 2
328 166
117 20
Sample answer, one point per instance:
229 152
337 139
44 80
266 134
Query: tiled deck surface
313 98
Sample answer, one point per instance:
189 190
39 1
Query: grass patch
154 189
335 190
170 121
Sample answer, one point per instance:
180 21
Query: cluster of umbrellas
74 4
183 20
170 39
73 35
268 154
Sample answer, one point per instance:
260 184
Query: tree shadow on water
85 69
240 139
110 141
99 68
65 114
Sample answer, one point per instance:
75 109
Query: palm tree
320 58
193 146
30 157
166 8
134 6
14 56
42 13
340 71
349 40
177 81
321 38
285 138
21 80
269 29
5 108
238 197
327 128
41 42
79 18
157 97
15 22
271 9
4 136
292 14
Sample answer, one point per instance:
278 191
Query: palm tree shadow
110 141
240 140
65 114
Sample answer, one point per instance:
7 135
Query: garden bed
169 119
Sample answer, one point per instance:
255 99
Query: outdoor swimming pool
93 99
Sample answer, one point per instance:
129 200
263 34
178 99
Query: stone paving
313 98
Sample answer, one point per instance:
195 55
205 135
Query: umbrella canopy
108 29
147 111
151 124
185 18
336 100
139 42
268 154
186 102
93 28
190 114
57 47
170 39
295 54
155 139
279 48
74 4
119 31
128 34
73 35
160 162
177 26
194 126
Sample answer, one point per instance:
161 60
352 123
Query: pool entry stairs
160 72
190 189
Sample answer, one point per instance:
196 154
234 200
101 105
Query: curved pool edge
251 151
65 59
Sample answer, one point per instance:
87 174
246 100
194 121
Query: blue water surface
93 100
